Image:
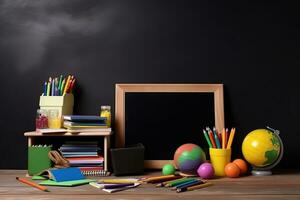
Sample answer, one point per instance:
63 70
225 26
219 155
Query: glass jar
106 112
54 119
41 120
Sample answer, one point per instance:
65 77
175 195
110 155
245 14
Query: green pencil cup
38 159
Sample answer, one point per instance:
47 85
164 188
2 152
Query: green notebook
38 159
66 183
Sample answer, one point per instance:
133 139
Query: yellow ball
261 147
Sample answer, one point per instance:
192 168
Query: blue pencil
45 88
217 138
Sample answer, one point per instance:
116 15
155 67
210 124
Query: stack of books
85 155
86 123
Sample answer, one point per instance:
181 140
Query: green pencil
207 139
179 181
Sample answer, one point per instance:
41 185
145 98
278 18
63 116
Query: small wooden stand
105 134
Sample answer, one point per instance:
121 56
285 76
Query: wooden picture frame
122 89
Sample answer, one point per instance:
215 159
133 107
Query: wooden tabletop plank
278 186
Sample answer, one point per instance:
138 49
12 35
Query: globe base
261 172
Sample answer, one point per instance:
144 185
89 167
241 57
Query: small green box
38 159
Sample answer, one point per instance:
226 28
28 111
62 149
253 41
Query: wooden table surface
277 186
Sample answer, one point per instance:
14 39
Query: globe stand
266 171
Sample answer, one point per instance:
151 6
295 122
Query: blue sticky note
66 174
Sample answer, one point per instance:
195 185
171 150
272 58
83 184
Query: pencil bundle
219 140
59 86
177 182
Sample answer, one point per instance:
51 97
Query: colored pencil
207 139
195 187
210 134
162 184
33 184
118 181
226 137
217 142
67 84
158 178
187 184
223 139
231 136
177 182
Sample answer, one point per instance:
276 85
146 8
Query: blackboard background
164 121
250 47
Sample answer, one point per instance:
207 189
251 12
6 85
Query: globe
263 149
188 157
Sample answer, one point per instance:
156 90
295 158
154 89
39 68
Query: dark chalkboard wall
252 48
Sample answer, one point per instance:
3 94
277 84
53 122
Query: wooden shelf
105 133
98 133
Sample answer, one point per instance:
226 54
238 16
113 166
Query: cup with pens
219 148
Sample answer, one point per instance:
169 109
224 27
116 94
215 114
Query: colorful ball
168 169
232 170
188 157
242 165
206 171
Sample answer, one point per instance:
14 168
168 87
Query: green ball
168 169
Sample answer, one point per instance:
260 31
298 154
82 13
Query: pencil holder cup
64 104
219 158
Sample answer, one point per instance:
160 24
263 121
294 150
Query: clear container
106 112
41 120
54 119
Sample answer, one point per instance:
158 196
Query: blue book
66 174
84 118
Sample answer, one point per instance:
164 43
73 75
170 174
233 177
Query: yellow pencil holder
64 104
219 158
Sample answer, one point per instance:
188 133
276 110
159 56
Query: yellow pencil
159 178
223 139
231 136
115 181
66 85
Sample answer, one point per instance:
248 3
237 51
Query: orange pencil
223 139
33 184
211 137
